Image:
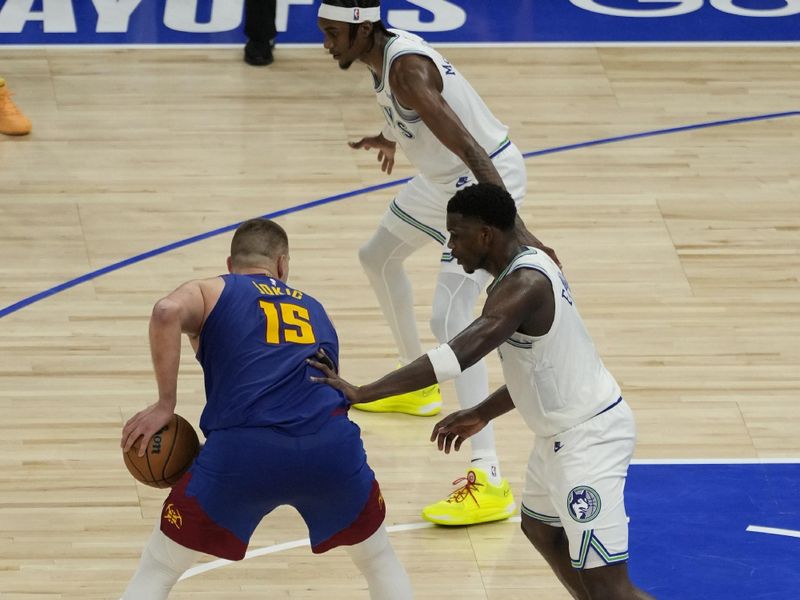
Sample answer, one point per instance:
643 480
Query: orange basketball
169 455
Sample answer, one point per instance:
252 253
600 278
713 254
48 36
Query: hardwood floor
682 249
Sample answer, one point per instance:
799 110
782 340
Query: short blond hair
257 239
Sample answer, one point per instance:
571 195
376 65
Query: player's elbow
165 311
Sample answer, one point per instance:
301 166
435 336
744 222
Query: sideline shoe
258 54
12 121
420 403
476 501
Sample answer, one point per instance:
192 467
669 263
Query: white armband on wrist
388 133
445 363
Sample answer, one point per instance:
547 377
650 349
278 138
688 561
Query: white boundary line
216 564
716 461
773 531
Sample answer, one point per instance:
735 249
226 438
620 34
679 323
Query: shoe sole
488 517
427 410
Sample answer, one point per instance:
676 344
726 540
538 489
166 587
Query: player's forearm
498 403
478 161
165 350
414 376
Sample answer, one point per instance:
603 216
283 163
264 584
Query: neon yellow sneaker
420 403
477 501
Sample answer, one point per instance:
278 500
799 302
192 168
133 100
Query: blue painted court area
689 538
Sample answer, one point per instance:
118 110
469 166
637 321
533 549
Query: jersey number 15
293 320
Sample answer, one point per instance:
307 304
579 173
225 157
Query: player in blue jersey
272 436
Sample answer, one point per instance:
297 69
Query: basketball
169 455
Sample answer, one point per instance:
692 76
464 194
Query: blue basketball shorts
242 474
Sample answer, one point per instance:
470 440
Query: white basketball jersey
422 148
556 380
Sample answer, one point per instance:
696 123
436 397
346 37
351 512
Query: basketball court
665 177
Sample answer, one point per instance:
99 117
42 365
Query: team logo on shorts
172 515
583 503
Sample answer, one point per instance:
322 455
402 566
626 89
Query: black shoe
258 54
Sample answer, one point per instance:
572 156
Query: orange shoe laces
461 493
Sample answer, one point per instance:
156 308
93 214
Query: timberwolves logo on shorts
583 503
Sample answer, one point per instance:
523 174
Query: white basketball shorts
419 211
576 480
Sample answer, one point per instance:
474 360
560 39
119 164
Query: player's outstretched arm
410 377
417 84
502 314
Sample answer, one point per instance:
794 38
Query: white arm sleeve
445 363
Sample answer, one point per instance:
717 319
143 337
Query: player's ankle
489 464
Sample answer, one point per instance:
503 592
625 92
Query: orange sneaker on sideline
12 121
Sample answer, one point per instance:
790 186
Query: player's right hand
323 362
144 425
386 150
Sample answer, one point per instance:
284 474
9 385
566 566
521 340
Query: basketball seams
133 465
165 464
174 449
149 466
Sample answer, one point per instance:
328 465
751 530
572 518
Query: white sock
163 562
385 575
487 462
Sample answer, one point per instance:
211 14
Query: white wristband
445 363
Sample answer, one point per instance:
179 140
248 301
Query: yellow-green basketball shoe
420 403
476 501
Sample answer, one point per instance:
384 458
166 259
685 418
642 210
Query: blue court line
11 308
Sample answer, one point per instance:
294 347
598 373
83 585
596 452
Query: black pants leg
259 20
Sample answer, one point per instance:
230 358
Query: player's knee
438 324
448 321
368 259
170 555
540 535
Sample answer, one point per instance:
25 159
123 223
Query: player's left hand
323 363
455 428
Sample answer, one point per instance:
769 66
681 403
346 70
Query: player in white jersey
573 507
450 135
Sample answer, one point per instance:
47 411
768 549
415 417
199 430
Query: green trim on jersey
505 271
401 214
384 74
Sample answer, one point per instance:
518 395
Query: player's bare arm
182 311
417 84
508 309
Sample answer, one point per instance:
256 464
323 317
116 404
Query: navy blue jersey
253 350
